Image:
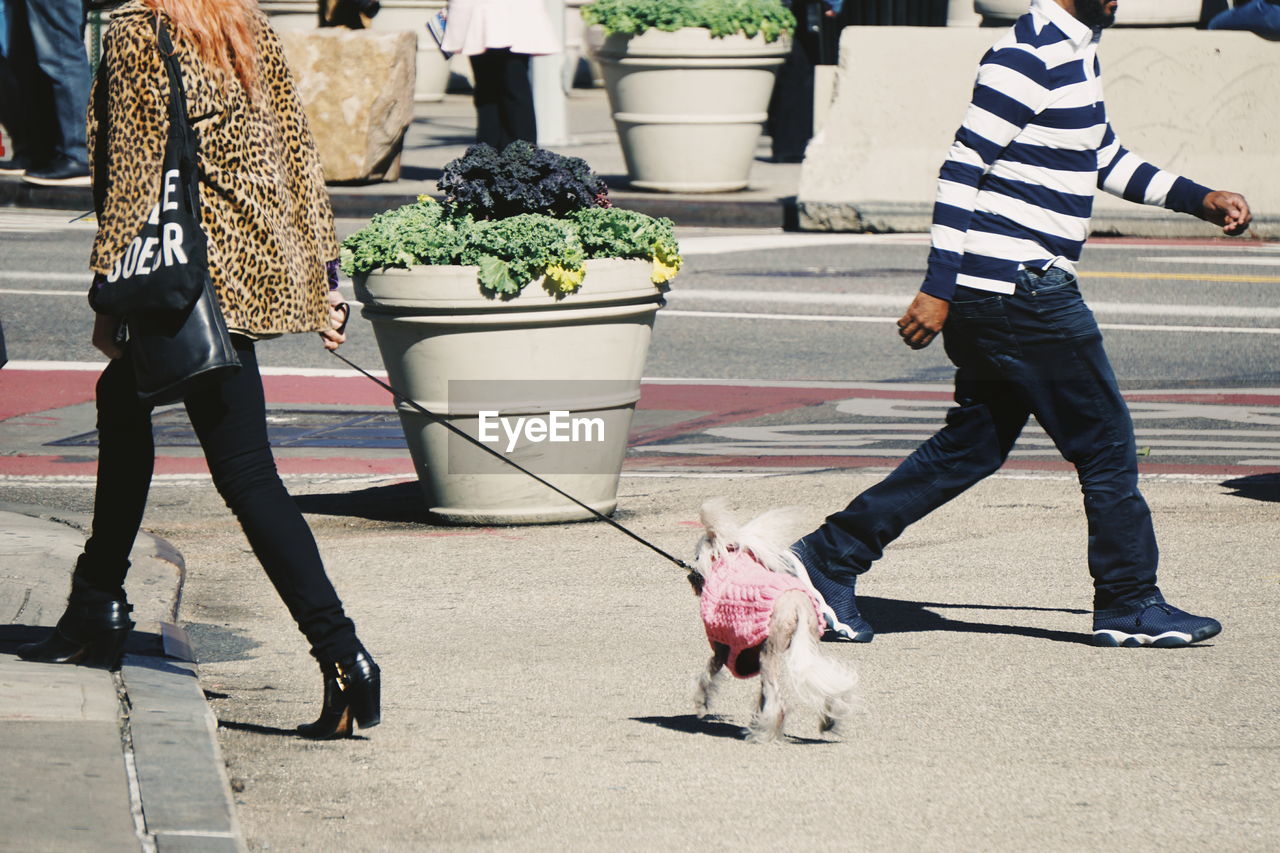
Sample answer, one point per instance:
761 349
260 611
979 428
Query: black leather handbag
176 334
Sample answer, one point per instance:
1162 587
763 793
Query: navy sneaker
839 606
1151 622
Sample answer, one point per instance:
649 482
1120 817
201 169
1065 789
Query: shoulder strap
180 130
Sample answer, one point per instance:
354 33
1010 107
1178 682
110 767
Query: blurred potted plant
523 294
689 84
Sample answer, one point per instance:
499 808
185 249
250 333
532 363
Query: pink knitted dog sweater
737 600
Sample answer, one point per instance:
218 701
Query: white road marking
96 366
15 291
900 302
23 221
1273 260
44 275
722 245
843 318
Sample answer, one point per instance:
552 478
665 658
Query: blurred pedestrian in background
499 36
816 42
1256 16
352 14
50 69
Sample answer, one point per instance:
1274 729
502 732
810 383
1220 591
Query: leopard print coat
264 205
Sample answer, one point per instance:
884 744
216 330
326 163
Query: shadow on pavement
714 726
254 728
143 643
400 502
894 616
12 636
1258 487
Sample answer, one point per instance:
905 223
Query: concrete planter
1133 13
450 348
689 108
432 67
960 13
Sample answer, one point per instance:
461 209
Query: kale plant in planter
520 215
689 84
722 17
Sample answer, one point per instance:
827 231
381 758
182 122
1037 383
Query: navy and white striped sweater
1017 186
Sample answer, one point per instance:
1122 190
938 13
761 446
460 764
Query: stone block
357 89
1198 103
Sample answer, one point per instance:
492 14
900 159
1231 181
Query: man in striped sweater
1011 216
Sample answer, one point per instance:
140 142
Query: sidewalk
536 683
91 760
441 132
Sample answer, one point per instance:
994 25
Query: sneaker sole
1167 640
58 182
836 630
846 634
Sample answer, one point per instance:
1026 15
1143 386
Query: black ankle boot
352 695
90 633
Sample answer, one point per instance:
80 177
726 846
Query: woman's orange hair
221 31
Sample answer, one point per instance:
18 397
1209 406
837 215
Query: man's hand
105 329
339 312
923 320
1229 210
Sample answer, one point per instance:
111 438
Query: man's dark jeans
57 32
1035 352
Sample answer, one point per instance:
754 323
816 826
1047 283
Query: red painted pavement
34 398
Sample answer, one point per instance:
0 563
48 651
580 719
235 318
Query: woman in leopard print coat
270 246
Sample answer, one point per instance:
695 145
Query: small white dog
762 617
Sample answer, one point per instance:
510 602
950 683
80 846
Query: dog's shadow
897 616
715 726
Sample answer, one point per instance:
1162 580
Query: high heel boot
352 695
90 633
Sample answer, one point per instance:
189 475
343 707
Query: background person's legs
57 32
503 98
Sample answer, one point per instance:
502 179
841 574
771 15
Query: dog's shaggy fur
791 650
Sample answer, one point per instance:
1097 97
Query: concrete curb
178 772
684 210
178 783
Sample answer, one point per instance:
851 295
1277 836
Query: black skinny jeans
503 98
230 420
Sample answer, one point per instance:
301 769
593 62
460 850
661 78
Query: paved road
775 351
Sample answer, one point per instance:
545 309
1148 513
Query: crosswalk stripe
1182 276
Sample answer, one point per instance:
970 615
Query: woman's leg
229 417
126 457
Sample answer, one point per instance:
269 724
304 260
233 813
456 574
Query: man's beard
1093 13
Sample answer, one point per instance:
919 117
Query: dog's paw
762 735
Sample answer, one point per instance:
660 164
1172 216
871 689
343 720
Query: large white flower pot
412 15
448 347
1133 13
689 108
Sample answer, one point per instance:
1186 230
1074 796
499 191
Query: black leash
487 449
